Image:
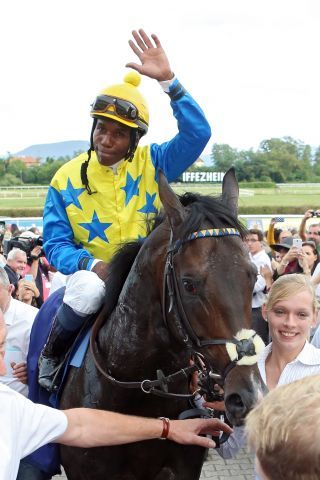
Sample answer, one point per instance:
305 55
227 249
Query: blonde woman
291 311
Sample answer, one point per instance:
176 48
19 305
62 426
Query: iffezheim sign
202 177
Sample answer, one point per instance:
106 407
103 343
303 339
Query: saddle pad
80 350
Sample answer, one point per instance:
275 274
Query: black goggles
122 108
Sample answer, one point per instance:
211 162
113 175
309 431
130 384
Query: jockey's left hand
154 61
19 371
101 269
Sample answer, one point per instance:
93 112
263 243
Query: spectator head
283 247
310 249
27 292
313 233
5 290
14 229
17 260
254 240
284 430
287 286
284 234
35 230
276 234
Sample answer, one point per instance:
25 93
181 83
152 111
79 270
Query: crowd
81 233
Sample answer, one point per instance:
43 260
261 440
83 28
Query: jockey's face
111 141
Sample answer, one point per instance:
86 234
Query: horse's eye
189 286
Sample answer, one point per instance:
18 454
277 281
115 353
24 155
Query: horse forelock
207 210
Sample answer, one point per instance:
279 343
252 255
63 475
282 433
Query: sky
252 65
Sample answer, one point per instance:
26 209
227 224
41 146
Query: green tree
316 162
223 156
16 168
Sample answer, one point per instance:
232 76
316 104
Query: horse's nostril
234 402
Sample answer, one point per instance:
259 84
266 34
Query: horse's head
207 289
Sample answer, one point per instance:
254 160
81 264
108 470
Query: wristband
165 429
176 92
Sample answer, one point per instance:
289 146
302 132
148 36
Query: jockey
101 198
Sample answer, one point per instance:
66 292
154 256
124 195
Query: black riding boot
53 355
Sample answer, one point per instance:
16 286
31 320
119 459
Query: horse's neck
135 329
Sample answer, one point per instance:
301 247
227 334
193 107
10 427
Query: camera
26 244
314 213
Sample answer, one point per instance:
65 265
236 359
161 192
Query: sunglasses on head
122 108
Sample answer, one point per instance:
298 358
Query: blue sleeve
59 246
175 156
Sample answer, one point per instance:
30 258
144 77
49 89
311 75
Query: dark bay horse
186 289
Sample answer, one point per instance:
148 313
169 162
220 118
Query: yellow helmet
123 103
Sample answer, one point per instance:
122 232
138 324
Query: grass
277 199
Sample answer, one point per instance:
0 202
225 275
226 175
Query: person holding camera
37 265
313 231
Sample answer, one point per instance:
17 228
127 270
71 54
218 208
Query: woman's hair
288 285
31 286
312 245
284 430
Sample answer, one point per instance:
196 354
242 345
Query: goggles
122 108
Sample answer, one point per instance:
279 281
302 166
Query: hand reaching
154 61
19 371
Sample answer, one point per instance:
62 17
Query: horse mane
121 264
208 209
201 209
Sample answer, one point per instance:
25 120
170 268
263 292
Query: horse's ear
170 201
230 190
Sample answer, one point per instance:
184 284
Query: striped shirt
307 363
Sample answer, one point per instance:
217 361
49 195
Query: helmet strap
135 136
85 164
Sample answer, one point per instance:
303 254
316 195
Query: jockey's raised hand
154 61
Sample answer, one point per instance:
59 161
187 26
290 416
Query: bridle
171 285
182 324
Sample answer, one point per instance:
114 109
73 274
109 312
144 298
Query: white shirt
19 319
58 280
260 259
25 427
316 271
306 364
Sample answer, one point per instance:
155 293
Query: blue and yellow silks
78 225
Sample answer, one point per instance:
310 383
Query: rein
188 336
